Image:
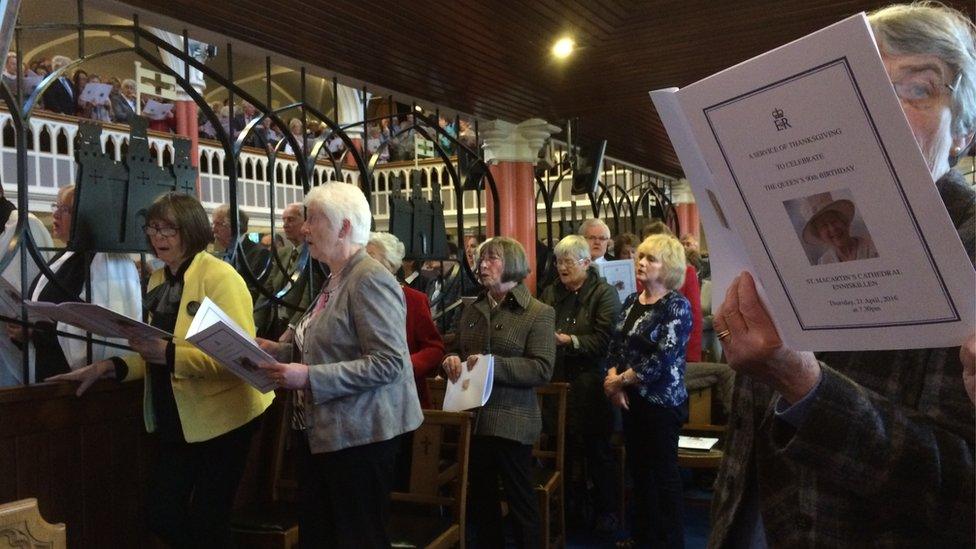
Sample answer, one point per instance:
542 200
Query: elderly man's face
11 66
221 230
921 84
129 90
598 239
292 220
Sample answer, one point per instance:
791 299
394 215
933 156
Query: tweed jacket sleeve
883 457
534 367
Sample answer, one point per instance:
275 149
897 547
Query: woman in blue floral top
645 377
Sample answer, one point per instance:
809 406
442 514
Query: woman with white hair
354 387
586 307
423 339
864 448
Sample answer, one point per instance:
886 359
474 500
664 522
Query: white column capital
508 142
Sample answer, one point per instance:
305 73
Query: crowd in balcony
67 95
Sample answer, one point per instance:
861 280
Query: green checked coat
883 458
522 338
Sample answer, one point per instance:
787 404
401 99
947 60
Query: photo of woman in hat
827 233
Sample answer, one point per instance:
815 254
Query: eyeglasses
153 230
221 224
923 89
60 209
569 262
598 238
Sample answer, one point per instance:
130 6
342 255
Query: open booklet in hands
473 388
773 145
216 334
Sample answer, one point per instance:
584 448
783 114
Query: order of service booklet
216 334
473 388
814 131
95 319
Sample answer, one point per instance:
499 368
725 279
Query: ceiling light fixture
563 47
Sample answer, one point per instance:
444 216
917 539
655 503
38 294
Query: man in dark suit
124 102
256 256
292 277
257 138
61 96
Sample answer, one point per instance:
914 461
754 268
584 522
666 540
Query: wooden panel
84 459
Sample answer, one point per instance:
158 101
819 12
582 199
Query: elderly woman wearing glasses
60 348
517 329
202 415
869 447
586 308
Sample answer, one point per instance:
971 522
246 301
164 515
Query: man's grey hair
59 61
224 211
339 201
573 246
930 28
393 249
594 222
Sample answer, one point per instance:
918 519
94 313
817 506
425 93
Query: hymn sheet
814 131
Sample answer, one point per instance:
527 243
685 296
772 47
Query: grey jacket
520 333
883 458
362 387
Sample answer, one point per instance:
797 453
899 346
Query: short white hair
343 201
393 249
573 246
594 222
59 61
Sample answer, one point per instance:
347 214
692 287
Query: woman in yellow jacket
203 415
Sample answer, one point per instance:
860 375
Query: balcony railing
51 164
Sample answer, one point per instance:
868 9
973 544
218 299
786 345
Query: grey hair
59 61
340 201
129 82
594 222
243 219
930 28
573 246
393 249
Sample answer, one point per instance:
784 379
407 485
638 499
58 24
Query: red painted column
358 143
688 219
516 202
188 126
511 151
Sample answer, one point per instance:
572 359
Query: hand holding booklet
808 134
216 334
473 388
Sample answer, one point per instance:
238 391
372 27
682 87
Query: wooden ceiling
491 58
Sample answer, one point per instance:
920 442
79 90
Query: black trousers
651 434
494 458
193 485
591 455
345 495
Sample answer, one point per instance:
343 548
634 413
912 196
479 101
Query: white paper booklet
96 93
473 388
154 110
93 318
806 173
620 274
701 444
216 334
